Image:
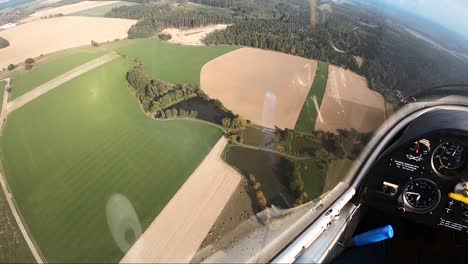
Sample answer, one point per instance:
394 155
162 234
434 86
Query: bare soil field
50 35
349 103
267 87
67 9
178 231
193 36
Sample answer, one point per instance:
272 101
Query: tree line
157 95
155 17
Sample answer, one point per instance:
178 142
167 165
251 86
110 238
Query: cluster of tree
155 17
174 113
238 122
323 146
11 67
28 63
165 37
4 43
296 184
156 95
52 16
94 43
260 196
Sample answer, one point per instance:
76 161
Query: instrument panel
424 179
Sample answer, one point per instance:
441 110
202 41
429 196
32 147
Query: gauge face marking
421 195
448 157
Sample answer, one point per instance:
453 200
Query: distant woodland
392 59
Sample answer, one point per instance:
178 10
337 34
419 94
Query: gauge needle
414 193
453 154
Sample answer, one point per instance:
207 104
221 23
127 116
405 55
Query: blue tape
373 236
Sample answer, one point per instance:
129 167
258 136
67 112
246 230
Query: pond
270 169
207 110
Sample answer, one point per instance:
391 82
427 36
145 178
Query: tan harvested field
267 87
67 9
193 36
178 231
349 103
50 35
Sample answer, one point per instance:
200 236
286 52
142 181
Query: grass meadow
173 63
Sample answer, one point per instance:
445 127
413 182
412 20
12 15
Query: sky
452 14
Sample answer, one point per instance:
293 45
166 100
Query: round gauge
421 195
447 158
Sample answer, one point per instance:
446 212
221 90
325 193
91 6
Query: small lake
270 169
207 110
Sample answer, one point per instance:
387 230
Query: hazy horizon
450 14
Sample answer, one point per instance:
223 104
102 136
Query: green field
2 92
306 121
50 67
313 178
169 62
67 152
100 11
14 248
337 170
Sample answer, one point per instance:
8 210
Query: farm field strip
59 33
193 210
46 87
49 67
310 110
5 94
101 10
348 103
243 81
69 9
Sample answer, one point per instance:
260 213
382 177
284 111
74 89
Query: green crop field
50 67
306 121
313 178
167 61
66 153
100 11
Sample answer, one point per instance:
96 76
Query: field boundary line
35 251
56 82
6 93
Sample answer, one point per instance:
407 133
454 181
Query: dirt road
3 113
46 87
178 231
30 243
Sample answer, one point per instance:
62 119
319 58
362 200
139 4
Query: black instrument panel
415 176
